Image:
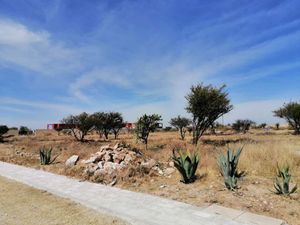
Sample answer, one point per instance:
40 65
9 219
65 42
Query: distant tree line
205 103
102 122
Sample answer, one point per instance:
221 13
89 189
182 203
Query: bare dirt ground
23 205
262 151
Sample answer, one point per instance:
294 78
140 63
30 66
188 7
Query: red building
58 126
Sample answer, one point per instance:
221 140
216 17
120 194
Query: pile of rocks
111 163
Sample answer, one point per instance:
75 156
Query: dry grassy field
23 205
261 154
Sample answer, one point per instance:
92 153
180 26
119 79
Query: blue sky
63 57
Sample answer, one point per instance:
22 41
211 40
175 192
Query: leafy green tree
3 130
79 125
206 104
242 125
180 123
116 122
291 113
145 125
99 119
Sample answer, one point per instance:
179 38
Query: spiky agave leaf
186 163
228 164
282 184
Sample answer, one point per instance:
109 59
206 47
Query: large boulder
72 161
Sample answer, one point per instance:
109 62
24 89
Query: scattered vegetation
291 113
3 130
186 163
45 155
24 130
145 125
206 104
117 122
180 123
79 125
108 122
228 165
242 125
282 183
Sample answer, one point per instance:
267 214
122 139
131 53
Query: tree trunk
181 133
106 135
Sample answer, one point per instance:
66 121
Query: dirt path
23 205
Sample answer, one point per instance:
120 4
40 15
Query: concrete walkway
136 208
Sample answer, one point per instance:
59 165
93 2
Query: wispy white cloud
35 50
62 108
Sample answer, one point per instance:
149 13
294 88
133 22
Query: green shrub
3 130
242 125
186 163
228 167
282 184
291 113
145 125
24 131
45 156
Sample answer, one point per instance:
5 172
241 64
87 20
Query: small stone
108 157
162 186
128 159
160 172
110 167
171 164
116 146
149 164
169 171
93 159
105 147
72 161
101 164
119 157
91 169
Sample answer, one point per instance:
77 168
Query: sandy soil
23 205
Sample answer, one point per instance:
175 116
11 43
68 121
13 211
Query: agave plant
186 163
282 184
45 156
228 167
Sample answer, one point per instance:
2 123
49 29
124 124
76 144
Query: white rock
111 166
149 164
101 164
169 171
93 159
171 164
116 146
72 161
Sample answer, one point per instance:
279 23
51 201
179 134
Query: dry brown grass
262 151
23 205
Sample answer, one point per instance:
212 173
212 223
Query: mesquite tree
79 125
117 122
108 122
242 125
100 123
145 125
180 123
291 113
206 104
